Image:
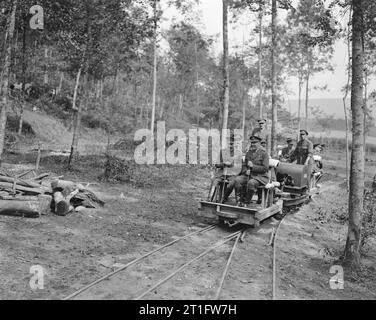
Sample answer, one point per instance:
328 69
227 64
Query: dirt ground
84 246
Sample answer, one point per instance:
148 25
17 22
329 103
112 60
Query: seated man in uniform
287 151
255 172
304 150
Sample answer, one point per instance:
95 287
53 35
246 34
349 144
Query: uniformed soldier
262 133
255 172
287 151
304 149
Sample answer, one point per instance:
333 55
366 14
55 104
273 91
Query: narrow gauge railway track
237 236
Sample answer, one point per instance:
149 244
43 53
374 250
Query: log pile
36 196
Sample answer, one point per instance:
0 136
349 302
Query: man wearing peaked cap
287 151
262 132
304 149
254 172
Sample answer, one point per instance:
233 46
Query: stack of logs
34 196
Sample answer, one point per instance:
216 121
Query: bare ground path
82 247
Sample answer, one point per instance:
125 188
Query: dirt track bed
80 248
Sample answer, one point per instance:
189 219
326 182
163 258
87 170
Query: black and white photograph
192 155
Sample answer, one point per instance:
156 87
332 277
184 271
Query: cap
317 145
255 139
305 131
261 120
289 140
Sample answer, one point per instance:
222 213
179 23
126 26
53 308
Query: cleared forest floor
81 247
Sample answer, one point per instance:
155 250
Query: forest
116 66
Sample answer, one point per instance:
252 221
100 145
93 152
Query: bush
13 123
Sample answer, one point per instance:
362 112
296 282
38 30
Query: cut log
19 198
20 182
45 203
62 206
28 191
29 209
59 185
41 176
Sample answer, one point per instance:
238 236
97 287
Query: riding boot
249 196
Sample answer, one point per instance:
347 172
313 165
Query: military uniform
259 174
263 134
286 153
303 150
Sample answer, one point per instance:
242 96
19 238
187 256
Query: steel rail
220 243
274 243
227 265
137 260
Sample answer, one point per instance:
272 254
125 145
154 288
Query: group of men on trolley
255 171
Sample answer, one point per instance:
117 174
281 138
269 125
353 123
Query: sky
211 15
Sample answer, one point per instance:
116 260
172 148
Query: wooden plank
268 212
20 182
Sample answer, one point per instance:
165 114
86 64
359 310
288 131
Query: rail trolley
231 214
296 185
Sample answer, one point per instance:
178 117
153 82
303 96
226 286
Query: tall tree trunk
181 103
197 97
154 69
244 102
226 75
77 120
84 64
273 80
306 101
20 124
299 102
161 107
344 103
45 78
6 76
352 255
365 99
260 60
60 86
101 88
75 93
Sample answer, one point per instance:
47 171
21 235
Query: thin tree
84 64
273 79
351 254
197 96
154 68
24 66
344 102
260 58
226 75
306 97
6 75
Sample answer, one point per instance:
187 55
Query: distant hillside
326 106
